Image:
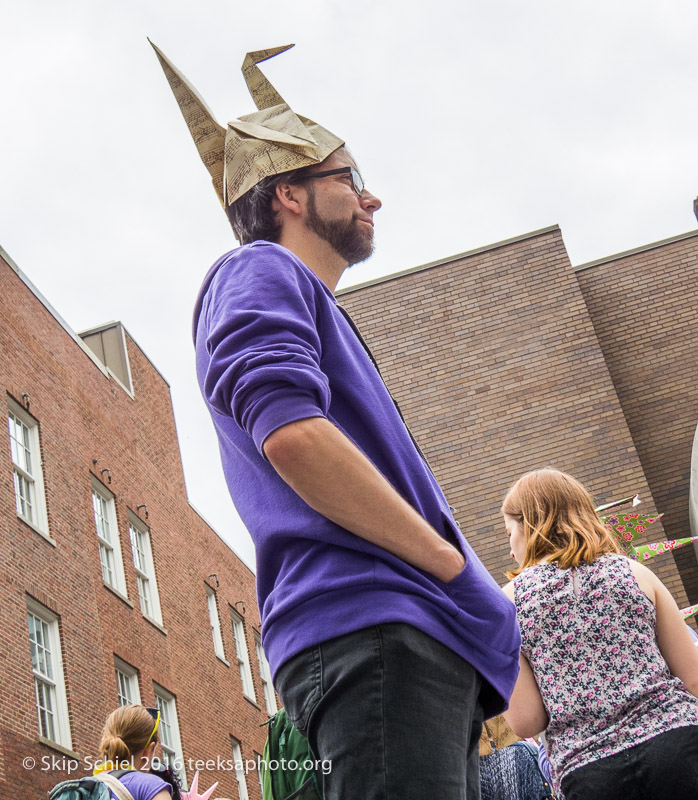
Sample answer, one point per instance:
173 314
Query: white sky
472 121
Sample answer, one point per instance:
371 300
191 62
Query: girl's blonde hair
559 521
126 733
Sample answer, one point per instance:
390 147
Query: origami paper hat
268 142
626 525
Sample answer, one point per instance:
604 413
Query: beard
346 237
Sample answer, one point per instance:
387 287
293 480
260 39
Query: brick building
507 358
113 587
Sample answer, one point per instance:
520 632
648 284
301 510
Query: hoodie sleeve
259 320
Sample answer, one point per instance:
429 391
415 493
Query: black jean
662 768
395 712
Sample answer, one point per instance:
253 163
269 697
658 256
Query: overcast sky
472 121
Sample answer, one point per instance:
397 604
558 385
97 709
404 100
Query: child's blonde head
126 733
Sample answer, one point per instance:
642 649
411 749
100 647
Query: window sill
41 533
117 593
222 660
66 751
252 702
155 624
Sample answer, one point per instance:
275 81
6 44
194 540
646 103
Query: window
239 769
169 733
47 665
215 621
243 658
126 683
265 675
145 570
108 535
26 467
259 760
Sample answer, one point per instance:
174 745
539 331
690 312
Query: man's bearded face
351 238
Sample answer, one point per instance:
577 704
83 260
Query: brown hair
126 733
559 521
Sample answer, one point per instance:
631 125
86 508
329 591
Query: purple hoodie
272 347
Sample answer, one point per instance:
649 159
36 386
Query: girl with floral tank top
608 667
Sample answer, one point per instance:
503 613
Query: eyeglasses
357 181
155 714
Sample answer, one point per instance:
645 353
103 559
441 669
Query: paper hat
269 142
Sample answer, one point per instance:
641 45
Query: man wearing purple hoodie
389 642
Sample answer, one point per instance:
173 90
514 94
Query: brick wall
83 415
643 307
494 361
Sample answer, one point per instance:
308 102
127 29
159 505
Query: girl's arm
526 713
673 637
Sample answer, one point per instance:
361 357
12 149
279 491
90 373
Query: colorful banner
645 551
627 528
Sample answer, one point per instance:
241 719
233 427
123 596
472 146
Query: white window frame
265 675
215 623
170 741
108 538
148 595
49 679
242 655
28 478
127 688
239 765
258 759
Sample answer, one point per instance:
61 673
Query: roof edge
485 248
75 335
225 541
643 248
52 311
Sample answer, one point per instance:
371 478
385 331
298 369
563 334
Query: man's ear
289 197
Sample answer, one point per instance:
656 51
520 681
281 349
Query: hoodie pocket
454 587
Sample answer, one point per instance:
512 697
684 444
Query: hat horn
263 93
208 135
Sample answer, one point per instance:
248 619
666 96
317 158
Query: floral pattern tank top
589 635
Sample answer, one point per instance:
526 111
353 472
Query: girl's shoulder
645 578
144 785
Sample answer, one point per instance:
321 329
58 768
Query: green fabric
628 526
645 551
285 744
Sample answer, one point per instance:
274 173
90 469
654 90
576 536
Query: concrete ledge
635 250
